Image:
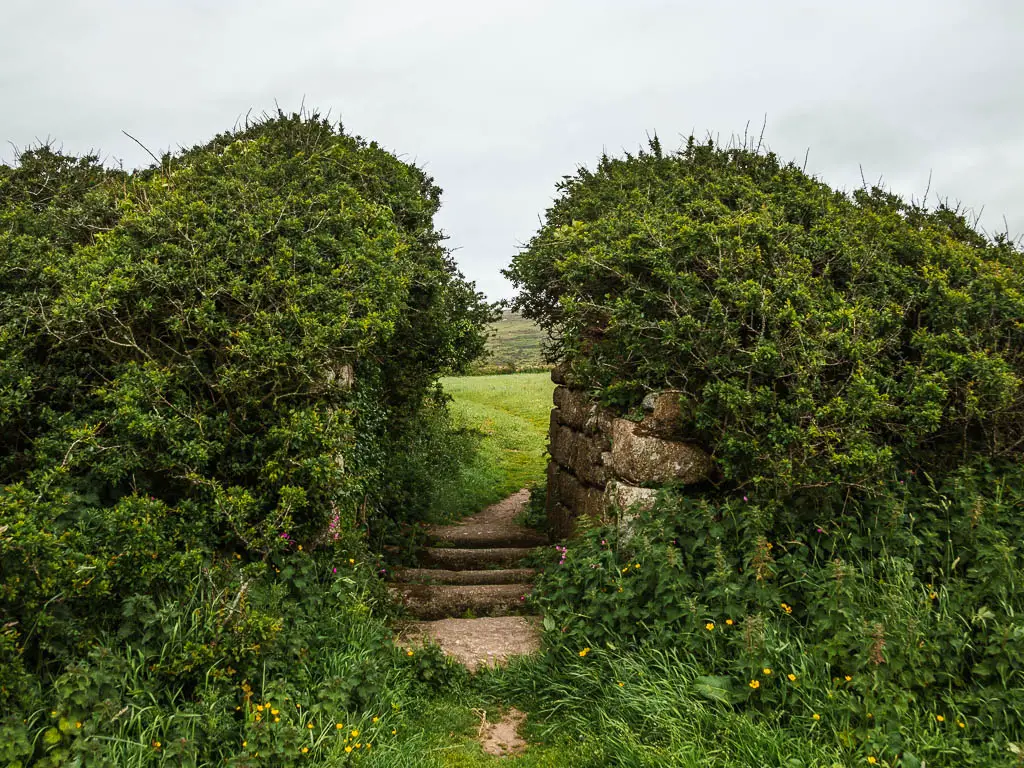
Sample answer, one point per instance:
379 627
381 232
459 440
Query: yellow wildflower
767 670
338 726
848 678
816 716
961 723
304 749
709 626
310 726
348 749
871 760
940 718
584 652
728 622
792 677
376 719
755 684
354 733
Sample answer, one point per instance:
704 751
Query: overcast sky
498 100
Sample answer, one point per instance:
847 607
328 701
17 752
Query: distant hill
514 346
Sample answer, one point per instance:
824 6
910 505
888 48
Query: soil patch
502 738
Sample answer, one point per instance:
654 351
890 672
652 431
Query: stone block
664 417
628 501
574 407
626 497
640 459
579 453
560 373
580 498
560 522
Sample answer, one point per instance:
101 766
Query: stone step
459 559
477 643
484 537
440 576
430 601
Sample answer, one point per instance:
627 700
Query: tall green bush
855 365
222 357
820 340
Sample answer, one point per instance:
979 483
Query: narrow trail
472 569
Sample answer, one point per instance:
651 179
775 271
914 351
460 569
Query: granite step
434 601
483 537
441 576
461 559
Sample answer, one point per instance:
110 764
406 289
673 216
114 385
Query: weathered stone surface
437 601
628 501
664 416
574 407
441 576
560 521
560 373
456 559
600 423
629 497
343 373
639 458
578 411
579 453
578 497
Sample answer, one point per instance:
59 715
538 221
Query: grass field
515 344
511 413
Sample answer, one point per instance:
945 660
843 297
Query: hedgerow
819 340
854 363
212 366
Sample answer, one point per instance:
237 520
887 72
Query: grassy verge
511 414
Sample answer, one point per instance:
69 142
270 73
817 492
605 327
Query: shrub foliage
820 341
225 355
855 364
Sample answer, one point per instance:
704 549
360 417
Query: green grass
511 413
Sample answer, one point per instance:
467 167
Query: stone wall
601 463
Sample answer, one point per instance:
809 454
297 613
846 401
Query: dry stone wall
602 464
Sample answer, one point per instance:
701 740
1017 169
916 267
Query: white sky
498 99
